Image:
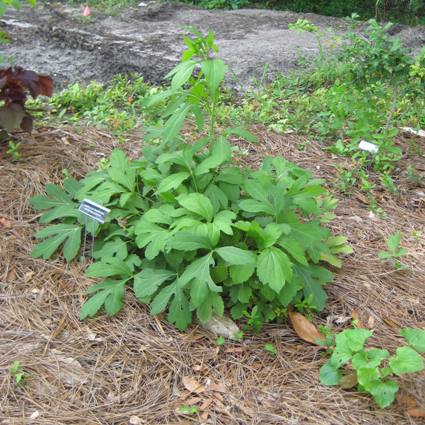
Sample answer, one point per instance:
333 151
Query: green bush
190 231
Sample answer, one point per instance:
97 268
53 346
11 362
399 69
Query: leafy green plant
185 409
17 373
303 25
13 150
271 349
395 251
188 230
220 340
375 370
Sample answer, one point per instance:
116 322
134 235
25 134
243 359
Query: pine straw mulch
129 369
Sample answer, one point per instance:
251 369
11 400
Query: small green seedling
220 340
238 336
375 371
17 373
271 349
395 251
188 410
303 25
13 150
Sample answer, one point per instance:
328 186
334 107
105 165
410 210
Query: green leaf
312 278
348 343
244 134
369 359
199 292
182 72
214 70
148 281
212 304
58 201
107 267
120 171
393 241
415 338
221 152
160 302
189 241
179 312
67 234
109 293
199 270
223 220
236 256
368 376
353 338
240 274
116 247
173 181
174 124
198 204
274 268
383 392
406 360
329 374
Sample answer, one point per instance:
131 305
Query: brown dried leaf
305 329
355 315
416 412
206 404
220 388
4 222
348 381
192 385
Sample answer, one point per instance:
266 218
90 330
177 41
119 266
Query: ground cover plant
374 369
190 231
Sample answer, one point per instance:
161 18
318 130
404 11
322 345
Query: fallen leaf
406 400
220 388
192 385
206 404
416 412
356 316
348 381
305 329
4 222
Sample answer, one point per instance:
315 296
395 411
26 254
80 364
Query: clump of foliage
303 25
17 373
395 251
15 85
367 90
375 371
190 231
116 106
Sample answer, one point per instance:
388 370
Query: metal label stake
93 213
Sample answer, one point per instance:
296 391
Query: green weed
375 371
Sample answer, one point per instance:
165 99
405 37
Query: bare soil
131 369
148 39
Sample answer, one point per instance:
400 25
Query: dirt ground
131 369
52 38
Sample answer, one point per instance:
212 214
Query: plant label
94 211
368 147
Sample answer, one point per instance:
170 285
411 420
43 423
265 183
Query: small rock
222 326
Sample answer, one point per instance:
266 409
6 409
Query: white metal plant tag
94 211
